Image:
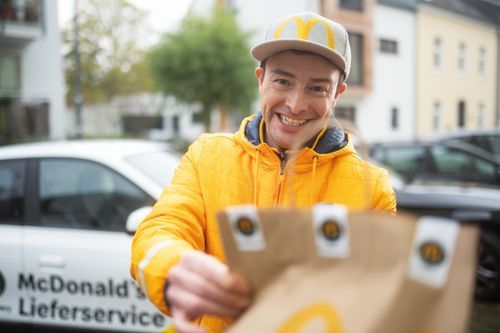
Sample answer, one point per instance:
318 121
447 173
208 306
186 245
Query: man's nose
296 101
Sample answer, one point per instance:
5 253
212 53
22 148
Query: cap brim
264 50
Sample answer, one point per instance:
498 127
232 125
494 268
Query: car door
77 251
12 215
408 161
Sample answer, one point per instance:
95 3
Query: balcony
23 120
20 21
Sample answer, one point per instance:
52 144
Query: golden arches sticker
303 29
323 311
245 226
432 252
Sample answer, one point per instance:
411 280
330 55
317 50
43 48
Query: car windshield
158 166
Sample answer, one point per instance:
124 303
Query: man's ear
340 89
259 72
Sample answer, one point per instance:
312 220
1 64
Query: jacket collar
331 140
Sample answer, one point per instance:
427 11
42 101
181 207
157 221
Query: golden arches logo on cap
304 29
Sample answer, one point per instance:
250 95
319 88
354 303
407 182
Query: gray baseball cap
307 31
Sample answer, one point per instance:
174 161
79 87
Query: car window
12 174
406 159
473 140
159 166
378 154
454 161
495 145
83 194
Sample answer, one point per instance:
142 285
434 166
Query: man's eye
282 82
319 90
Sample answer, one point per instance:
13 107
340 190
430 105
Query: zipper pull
282 156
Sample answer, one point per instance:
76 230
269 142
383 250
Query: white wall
394 79
257 15
42 74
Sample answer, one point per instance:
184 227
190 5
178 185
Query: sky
164 15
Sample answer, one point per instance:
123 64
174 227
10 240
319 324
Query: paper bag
326 270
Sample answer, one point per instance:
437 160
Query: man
291 153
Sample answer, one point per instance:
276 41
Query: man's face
297 93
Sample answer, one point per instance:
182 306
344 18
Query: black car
489 141
442 161
466 203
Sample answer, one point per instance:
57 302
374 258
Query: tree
112 57
206 61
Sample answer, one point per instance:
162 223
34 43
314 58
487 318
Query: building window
436 116
482 62
388 46
356 74
461 114
197 117
480 116
437 53
175 124
346 113
394 118
352 4
10 78
461 58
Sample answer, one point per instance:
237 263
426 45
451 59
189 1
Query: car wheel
488 268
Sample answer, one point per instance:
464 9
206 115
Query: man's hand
200 284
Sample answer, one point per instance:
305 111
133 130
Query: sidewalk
485 318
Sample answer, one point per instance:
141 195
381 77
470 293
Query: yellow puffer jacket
223 170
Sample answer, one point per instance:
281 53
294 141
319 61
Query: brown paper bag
356 273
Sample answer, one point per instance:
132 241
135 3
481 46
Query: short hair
262 64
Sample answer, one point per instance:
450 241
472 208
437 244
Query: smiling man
291 153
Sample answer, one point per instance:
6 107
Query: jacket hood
328 144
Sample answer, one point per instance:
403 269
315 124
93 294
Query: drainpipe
78 78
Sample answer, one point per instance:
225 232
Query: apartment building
457 67
31 78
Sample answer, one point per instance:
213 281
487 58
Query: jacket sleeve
175 225
384 198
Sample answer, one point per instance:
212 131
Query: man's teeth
290 121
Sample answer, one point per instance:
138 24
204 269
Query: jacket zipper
281 178
282 157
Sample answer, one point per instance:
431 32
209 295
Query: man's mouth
291 122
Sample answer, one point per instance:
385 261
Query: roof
451 144
401 4
460 133
81 148
483 10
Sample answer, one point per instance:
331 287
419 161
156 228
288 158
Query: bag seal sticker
331 231
246 227
432 250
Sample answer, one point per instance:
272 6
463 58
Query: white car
67 214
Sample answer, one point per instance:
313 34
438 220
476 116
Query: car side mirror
135 218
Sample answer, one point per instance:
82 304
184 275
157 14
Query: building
380 96
388 112
31 78
146 115
457 67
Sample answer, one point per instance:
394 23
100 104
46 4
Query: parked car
451 161
67 213
489 140
466 203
